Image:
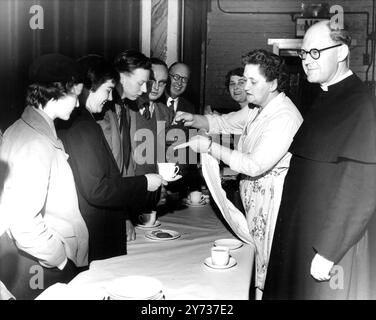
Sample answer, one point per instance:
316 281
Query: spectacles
176 77
314 53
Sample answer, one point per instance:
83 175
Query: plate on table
142 226
176 178
232 244
162 234
208 262
135 288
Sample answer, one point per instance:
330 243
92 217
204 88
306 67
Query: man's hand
185 117
131 231
154 181
320 268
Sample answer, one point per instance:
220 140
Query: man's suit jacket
164 118
115 140
183 104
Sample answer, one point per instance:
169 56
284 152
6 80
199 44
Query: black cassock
328 200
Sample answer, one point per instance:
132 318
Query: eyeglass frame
178 77
300 52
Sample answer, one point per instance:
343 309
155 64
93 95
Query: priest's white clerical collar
325 86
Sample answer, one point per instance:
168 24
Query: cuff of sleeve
211 122
235 160
62 265
325 253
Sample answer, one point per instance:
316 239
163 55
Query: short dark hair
51 76
158 61
38 94
233 72
130 60
271 65
96 72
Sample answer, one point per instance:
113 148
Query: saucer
142 226
162 235
202 203
231 263
135 288
176 178
232 244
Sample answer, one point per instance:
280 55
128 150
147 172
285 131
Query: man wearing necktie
147 127
178 80
134 69
177 84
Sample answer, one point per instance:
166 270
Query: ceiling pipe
294 15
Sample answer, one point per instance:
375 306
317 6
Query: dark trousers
24 277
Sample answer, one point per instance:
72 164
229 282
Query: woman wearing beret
43 237
102 192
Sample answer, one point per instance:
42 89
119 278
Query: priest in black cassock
320 248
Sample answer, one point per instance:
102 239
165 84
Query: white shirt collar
325 86
151 109
169 99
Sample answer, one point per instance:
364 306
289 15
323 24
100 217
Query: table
178 263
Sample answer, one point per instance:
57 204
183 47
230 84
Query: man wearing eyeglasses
179 74
147 130
320 245
152 115
178 81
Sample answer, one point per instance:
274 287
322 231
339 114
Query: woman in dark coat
103 194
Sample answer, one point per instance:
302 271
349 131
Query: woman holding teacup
262 156
103 193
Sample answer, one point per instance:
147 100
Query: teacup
167 170
148 218
196 197
220 256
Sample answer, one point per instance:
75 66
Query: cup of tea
168 170
196 197
148 218
220 255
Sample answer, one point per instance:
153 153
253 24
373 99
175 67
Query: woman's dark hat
54 67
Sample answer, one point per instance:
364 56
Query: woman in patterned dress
262 156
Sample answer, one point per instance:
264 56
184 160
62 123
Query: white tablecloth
178 263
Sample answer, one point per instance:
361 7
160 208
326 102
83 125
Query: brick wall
231 35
